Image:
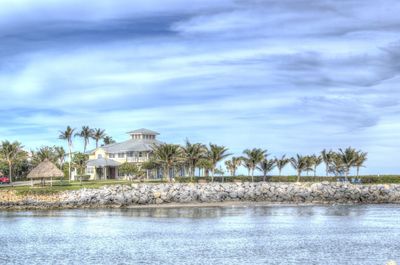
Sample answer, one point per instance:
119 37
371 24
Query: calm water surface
366 234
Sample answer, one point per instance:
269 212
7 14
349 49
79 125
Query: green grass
65 185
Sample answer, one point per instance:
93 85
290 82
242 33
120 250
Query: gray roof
144 131
102 162
132 145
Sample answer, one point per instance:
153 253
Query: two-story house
104 161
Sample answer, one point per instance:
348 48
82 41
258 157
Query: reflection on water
360 234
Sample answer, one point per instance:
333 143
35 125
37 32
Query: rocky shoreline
187 193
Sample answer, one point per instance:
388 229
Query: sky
289 76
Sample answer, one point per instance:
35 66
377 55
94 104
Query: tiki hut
45 169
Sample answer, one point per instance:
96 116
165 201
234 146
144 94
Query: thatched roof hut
45 169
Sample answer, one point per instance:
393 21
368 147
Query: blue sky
290 76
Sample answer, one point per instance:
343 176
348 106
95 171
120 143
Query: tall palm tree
309 164
266 166
108 140
67 135
97 135
360 160
168 155
11 153
299 163
348 157
253 158
327 159
215 154
86 133
193 153
232 165
281 163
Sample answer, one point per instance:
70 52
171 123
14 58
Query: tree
266 166
360 160
299 163
108 140
316 161
79 162
86 133
309 164
253 158
67 135
216 154
205 165
193 153
97 135
131 170
281 163
348 157
336 165
43 153
327 159
60 154
11 153
232 165
168 155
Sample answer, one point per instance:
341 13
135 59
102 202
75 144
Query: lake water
361 234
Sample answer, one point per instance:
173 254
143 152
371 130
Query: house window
130 154
121 155
111 155
99 156
89 170
140 154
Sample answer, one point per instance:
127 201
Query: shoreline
206 195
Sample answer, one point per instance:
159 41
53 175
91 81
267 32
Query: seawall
181 193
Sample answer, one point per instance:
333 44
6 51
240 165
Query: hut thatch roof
45 169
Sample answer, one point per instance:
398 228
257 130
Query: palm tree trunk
252 175
358 171
298 176
315 171
280 172
264 176
327 170
69 162
212 174
10 171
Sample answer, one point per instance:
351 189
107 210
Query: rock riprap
148 194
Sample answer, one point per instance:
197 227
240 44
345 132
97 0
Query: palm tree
215 154
108 140
266 166
299 163
193 153
67 135
205 165
253 158
79 162
360 160
60 154
349 158
281 163
316 161
11 153
247 164
86 133
168 155
97 135
327 159
43 153
232 165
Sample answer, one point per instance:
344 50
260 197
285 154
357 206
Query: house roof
102 162
144 131
132 145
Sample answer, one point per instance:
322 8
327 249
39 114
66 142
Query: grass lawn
59 186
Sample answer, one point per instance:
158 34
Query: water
363 234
